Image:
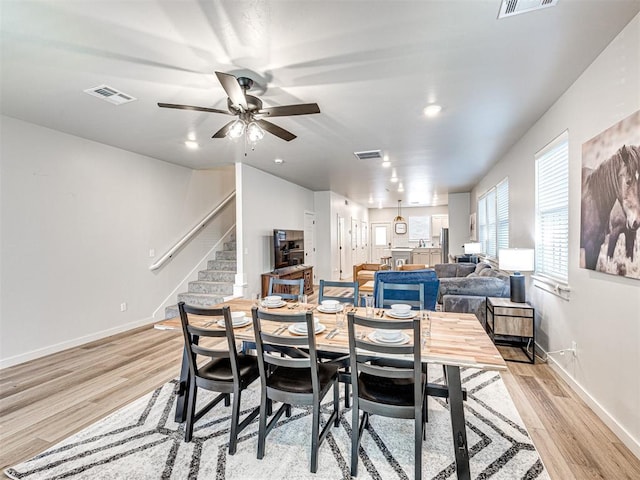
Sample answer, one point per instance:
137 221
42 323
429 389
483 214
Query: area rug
141 441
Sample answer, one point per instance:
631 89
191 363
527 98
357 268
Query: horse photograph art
610 209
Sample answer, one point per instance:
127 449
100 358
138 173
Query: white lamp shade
473 248
517 259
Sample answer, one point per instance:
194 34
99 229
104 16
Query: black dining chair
227 371
349 292
291 373
286 288
384 381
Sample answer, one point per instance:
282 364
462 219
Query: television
288 248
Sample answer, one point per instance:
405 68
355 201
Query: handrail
191 233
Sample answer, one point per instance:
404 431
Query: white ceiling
372 66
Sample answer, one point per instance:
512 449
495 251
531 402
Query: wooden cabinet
290 273
510 323
427 256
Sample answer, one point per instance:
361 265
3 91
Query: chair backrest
427 277
286 288
368 357
352 295
413 266
409 293
284 350
192 335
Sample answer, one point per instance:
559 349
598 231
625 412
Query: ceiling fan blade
288 110
233 89
191 107
224 130
276 130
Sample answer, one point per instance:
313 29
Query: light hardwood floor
46 400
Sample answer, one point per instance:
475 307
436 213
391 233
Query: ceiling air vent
110 94
515 7
369 155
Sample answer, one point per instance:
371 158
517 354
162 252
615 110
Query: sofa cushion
496 285
482 266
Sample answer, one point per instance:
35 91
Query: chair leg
262 429
235 414
287 411
336 403
227 400
191 407
315 437
419 431
346 391
355 439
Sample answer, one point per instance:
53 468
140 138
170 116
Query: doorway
380 241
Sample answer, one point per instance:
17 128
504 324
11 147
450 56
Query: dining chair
291 373
426 277
284 287
385 299
349 291
227 371
388 379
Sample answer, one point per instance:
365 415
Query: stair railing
191 233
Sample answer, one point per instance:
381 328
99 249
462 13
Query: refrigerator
444 244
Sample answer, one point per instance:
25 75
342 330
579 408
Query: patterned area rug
141 441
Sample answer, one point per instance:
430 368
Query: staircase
213 284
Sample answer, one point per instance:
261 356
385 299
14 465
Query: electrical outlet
574 348
123 306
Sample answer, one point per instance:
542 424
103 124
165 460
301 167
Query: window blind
552 210
502 214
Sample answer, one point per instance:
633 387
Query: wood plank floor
46 400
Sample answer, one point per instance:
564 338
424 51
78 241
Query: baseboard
624 436
75 342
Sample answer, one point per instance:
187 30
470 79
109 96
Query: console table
290 273
510 323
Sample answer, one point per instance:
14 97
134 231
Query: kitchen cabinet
438 222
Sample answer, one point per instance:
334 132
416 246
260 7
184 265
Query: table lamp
517 260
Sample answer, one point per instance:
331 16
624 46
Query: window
493 219
552 210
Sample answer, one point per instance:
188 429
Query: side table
512 324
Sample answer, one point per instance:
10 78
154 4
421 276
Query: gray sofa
464 287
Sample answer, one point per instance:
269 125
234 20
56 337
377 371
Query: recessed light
400 188
432 110
278 161
394 179
386 164
191 144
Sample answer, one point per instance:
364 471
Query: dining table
455 341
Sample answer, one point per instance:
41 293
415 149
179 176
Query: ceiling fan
249 111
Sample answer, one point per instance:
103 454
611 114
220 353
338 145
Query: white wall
388 214
266 202
78 221
458 222
603 313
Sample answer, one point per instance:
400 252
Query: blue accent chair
427 277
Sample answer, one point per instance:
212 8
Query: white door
380 241
310 241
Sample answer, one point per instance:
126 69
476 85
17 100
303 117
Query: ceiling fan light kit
249 111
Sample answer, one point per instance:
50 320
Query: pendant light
399 218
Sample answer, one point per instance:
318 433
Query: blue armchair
428 277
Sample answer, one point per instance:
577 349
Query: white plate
282 303
391 314
330 310
300 328
373 336
245 321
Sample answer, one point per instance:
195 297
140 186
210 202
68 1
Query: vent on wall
369 155
110 94
509 8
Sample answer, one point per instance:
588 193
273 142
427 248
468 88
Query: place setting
330 306
400 311
301 328
238 319
272 301
388 337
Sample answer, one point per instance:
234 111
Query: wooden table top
456 338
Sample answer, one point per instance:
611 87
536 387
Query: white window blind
493 219
552 210
502 214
